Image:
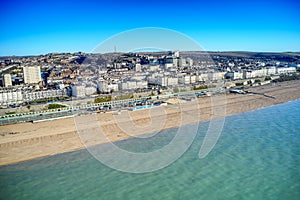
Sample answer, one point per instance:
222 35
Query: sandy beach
33 140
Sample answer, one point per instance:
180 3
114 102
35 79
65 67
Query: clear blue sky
39 27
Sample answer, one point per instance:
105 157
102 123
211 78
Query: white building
162 81
78 91
237 75
176 54
138 67
193 79
249 74
131 85
7 80
113 87
271 70
203 77
90 90
32 74
216 76
286 70
260 72
167 81
172 81
35 95
184 79
102 86
190 61
182 62
9 97
142 84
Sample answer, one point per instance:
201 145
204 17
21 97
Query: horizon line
213 51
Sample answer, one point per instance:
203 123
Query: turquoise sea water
256 157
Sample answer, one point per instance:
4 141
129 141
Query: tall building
32 74
138 67
7 80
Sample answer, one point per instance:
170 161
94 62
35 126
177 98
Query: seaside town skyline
29 84
149 99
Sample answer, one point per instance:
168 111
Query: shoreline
60 136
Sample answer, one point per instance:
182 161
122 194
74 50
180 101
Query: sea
257 156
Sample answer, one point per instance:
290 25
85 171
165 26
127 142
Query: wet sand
33 140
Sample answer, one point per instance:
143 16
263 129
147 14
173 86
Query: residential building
286 70
32 74
78 91
138 67
7 80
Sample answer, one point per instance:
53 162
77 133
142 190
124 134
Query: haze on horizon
40 27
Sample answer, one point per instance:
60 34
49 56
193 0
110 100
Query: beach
34 140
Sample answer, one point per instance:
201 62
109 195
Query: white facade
78 91
90 90
172 81
248 74
193 79
131 85
152 80
260 72
216 76
284 70
203 77
142 84
182 62
7 80
176 54
265 71
113 87
167 81
184 79
190 61
152 67
102 86
32 74
30 96
162 81
237 75
11 97
271 70
138 67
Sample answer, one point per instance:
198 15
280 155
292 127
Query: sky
41 27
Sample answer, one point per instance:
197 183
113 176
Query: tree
55 106
268 78
256 81
102 99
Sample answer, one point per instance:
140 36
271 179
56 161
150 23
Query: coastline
59 136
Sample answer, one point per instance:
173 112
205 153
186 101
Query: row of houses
102 86
10 97
186 79
170 79
265 71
